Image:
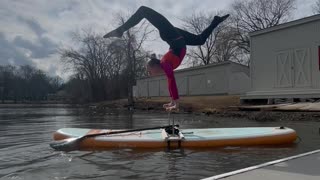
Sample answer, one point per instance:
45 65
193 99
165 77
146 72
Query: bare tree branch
316 7
196 23
254 15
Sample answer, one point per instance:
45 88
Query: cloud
42 48
33 24
31 31
10 54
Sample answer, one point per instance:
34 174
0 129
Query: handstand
177 39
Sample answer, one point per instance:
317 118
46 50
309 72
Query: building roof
224 63
209 66
287 25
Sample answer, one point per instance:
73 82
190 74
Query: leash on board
173 126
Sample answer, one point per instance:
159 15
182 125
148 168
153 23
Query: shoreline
216 106
39 105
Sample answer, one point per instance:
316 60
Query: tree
90 61
204 54
78 89
26 72
316 7
132 42
254 15
39 85
109 66
220 46
7 81
227 49
25 83
56 83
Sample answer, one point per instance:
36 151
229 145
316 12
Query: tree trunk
130 75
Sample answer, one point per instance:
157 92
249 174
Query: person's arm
172 86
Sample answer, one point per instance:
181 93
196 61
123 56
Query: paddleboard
185 138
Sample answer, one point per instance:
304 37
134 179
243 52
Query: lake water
25 134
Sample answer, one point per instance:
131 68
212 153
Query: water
26 132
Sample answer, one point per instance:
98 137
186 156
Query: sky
32 30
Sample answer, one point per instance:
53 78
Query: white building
223 78
285 60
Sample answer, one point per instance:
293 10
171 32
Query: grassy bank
209 105
187 104
193 103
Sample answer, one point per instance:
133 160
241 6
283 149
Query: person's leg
216 21
165 28
190 39
195 40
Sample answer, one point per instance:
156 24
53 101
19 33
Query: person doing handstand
177 39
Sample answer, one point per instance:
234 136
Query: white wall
286 58
239 83
285 62
224 78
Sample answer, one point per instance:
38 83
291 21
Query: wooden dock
304 107
300 167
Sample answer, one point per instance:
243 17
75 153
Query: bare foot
174 107
167 105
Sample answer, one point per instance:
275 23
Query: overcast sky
32 30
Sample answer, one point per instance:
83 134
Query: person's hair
153 62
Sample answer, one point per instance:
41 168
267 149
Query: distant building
285 61
225 78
